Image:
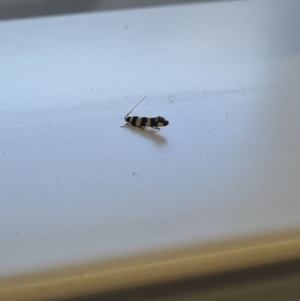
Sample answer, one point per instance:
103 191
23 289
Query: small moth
143 122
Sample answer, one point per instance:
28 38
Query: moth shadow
147 133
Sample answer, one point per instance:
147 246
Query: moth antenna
134 107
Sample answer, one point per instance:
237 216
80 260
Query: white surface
76 187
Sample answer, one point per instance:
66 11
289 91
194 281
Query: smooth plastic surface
77 188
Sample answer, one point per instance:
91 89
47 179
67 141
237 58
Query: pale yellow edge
153 268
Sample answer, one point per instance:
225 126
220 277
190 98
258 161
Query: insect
143 122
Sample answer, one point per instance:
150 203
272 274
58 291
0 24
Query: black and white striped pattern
142 122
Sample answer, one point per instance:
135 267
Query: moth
143 122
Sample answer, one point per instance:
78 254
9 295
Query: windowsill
88 206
